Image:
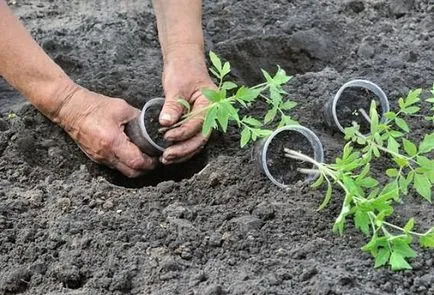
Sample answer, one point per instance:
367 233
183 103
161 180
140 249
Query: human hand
185 74
96 123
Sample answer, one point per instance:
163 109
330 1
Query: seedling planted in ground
369 199
227 101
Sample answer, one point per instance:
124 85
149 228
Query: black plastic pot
270 155
355 107
137 129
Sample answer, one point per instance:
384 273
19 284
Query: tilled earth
214 225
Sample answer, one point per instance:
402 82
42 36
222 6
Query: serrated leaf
397 262
288 105
402 124
427 145
411 110
211 94
362 222
247 94
226 69
402 247
427 240
245 137
382 257
271 114
209 121
229 85
409 147
216 62
423 186
390 115
252 121
223 119
413 97
409 225
392 145
368 182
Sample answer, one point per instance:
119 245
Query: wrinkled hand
184 75
96 123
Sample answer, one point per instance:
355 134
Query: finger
192 126
130 155
172 110
127 171
183 150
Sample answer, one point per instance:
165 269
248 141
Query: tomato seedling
368 199
227 100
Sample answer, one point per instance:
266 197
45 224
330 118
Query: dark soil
351 101
66 229
284 169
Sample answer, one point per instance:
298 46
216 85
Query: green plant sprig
227 100
368 201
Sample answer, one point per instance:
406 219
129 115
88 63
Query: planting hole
282 168
175 172
353 106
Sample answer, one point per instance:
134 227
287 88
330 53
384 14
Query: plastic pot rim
384 101
148 104
313 139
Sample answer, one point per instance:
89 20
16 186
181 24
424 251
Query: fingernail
166 117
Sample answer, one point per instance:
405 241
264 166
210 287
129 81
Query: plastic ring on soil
313 140
145 134
330 106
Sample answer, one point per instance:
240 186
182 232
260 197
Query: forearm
26 67
179 25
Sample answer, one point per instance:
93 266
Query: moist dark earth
224 229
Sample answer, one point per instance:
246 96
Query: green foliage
369 201
229 98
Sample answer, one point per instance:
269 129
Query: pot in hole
281 170
352 103
143 130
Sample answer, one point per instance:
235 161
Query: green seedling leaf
392 172
427 240
398 262
212 95
368 182
373 114
223 118
271 114
412 97
288 105
409 225
392 145
362 222
423 186
247 94
229 85
382 257
245 137
216 62
252 122
427 145
390 115
209 122
318 182
226 69
409 147
185 104
402 124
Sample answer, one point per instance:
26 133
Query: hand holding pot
185 74
96 123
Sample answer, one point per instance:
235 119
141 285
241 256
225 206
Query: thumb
172 110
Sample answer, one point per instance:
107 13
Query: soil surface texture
354 105
217 225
